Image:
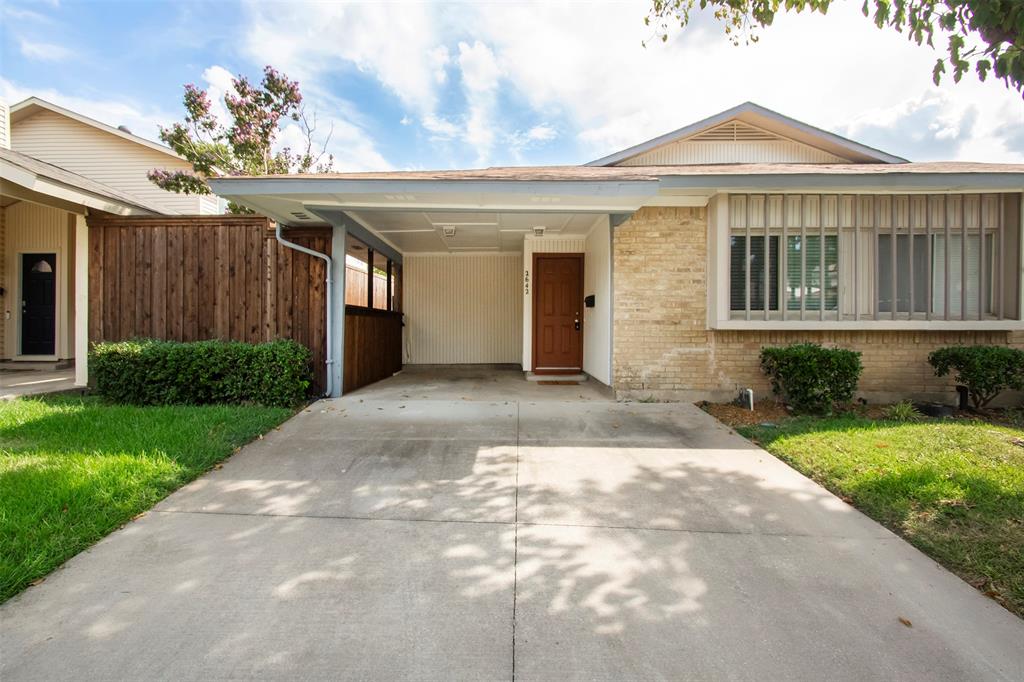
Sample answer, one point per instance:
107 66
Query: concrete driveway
491 540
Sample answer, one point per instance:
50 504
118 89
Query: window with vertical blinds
871 257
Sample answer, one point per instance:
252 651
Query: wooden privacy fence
188 278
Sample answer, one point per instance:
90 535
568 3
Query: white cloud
521 141
541 133
395 44
47 52
438 59
219 82
588 71
352 148
21 13
480 74
823 70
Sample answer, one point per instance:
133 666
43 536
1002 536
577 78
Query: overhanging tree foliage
245 145
987 35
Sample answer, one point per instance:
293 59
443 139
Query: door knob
577 323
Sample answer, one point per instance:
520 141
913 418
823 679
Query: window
756 257
874 257
372 280
804 280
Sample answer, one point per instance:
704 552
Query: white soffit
424 231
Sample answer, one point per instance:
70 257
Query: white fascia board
420 189
850 183
67 195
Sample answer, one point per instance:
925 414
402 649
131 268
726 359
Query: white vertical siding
31 228
462 308
597 281
689 152
103 157
532 245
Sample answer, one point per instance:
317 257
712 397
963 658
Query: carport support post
338 253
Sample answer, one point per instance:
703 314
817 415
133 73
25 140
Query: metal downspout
330 295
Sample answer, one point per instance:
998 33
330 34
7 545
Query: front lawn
73 469
953 488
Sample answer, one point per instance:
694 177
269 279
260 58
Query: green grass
953 488
73 469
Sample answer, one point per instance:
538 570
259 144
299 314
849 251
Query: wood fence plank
129 267
270 289
285 305
96 296
236 285
222 285
253 284
158 282
143 282
300 296
190 265
207 311
317 308
175 304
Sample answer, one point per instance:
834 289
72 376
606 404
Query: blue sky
430 85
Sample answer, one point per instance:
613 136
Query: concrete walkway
493 540
15 383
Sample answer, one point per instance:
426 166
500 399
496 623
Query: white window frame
722 225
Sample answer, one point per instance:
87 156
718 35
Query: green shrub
151 372
902 412
986 371
811 378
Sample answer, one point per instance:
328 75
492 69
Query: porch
44 262
492 292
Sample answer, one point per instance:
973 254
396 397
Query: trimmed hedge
152 372
811 378
986 371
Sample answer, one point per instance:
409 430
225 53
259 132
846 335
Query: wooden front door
38 303
557 313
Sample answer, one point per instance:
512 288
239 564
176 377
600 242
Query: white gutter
330 308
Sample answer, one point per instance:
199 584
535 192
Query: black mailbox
589 301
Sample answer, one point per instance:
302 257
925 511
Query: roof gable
748 133
33 105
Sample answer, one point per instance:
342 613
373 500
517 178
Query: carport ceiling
439 231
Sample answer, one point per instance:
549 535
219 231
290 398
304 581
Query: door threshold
533 376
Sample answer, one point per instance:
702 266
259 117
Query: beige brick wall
663 349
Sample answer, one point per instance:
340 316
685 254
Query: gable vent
735 131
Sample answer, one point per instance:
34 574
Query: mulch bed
771 412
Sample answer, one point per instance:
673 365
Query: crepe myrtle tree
245 145
986 35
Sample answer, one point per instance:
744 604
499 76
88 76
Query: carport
492 267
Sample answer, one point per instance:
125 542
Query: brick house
661 270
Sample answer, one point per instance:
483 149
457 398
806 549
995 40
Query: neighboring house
56 167
662 269
107 154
